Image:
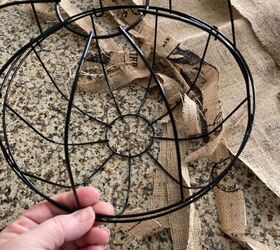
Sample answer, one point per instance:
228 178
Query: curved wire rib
46 138
62 94
103 68
8 153
210 132
128 187
15 69
10 69
172 119
68 118
6 105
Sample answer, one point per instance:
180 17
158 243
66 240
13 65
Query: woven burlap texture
262 154
261 53
265 21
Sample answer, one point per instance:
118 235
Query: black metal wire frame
15 62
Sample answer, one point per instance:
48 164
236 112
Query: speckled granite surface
41 104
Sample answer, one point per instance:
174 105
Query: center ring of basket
130 135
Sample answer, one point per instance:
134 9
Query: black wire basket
129 132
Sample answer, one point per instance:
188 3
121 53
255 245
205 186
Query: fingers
104 208
20 226
52 233
87 195
75 227
96 236
44 210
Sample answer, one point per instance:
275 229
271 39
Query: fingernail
84 215
99 248
113 208
98 191
109 203
107 230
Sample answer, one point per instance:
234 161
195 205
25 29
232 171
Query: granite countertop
34 96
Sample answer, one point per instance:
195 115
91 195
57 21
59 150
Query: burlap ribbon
263 149
232 209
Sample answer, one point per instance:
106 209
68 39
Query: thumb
52 233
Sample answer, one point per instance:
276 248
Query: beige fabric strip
262 154
232 209
265 21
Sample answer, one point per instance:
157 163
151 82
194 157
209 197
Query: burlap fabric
231 206
262 153
262 149
264 18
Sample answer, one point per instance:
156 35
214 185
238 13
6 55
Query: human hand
45 227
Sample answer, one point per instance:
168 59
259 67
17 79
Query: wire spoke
232 23
164 170
101 8
36 18
153 65
128 187
165 99
169 175
170 4
61 93
201 64
101 167
32 176
103 68
68 117
166 113
210 132
48 139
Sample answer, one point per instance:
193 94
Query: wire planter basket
130 131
